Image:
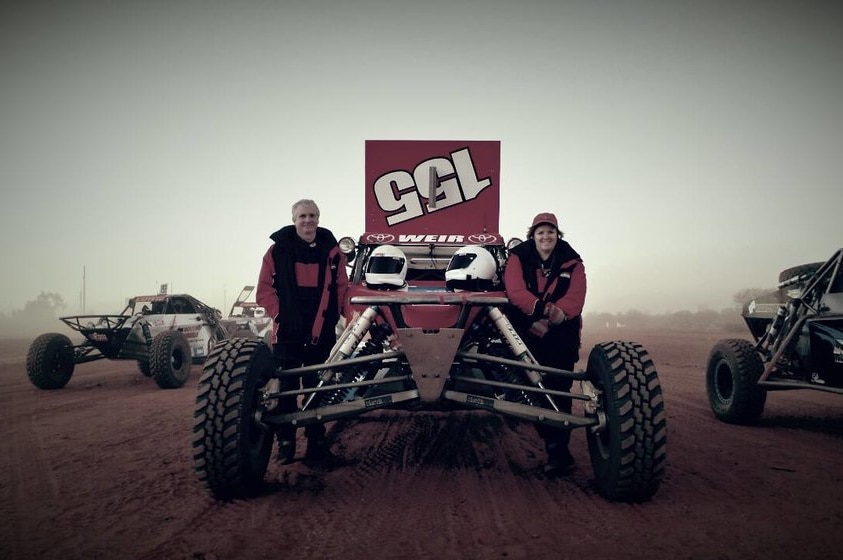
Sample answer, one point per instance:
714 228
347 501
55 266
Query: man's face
306 219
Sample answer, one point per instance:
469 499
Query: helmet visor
461 261
385 265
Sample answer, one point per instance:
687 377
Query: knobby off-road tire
628 456
230 450
169 359
731 381
50 361
143 367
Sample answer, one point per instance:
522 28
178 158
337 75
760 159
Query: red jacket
529 287
571 303
284 279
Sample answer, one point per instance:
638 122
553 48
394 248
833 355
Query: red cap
543 218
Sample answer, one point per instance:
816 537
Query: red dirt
103 469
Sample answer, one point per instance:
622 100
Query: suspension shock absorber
484 333
519 349
786 324
778 321
378 337
772 329
345 346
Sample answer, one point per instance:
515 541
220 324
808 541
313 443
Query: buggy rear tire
50 361
231 451
628 454
731 382
169 359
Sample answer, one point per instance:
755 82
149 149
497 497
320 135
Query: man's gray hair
303 202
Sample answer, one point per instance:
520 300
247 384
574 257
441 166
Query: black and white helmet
386 268
472 268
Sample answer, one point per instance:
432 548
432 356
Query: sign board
423 189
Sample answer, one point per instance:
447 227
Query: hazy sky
690 149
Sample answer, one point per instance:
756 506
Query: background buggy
248 319
163 332
798 333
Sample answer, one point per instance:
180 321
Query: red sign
432 187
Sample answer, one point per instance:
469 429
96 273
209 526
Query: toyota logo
481 238
380 238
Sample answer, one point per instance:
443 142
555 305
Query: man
302 285
546 285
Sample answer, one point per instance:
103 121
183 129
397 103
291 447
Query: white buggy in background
163 332
247 318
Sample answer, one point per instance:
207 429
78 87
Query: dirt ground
103 469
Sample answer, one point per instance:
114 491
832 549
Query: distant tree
728 319
45 305
635 318
36 316
602 320
706 319
731 320
748 294
681 319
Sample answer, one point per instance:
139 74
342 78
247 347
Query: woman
545 283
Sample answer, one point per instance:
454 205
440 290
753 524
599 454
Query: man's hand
539 328
554 314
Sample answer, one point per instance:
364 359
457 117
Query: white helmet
386 268
472 268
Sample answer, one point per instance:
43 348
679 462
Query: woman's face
545 237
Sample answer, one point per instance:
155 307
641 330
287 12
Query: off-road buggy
248 319
798 343
163 332
425 346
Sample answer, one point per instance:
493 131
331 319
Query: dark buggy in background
435 348
798 333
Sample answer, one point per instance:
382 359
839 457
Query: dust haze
38 316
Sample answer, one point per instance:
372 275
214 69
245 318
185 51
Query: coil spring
378 335
489 341
505 374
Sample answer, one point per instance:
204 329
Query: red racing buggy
435 344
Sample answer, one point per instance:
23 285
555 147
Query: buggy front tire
169 359
231 451
628 453
731 382
143 367
50 361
